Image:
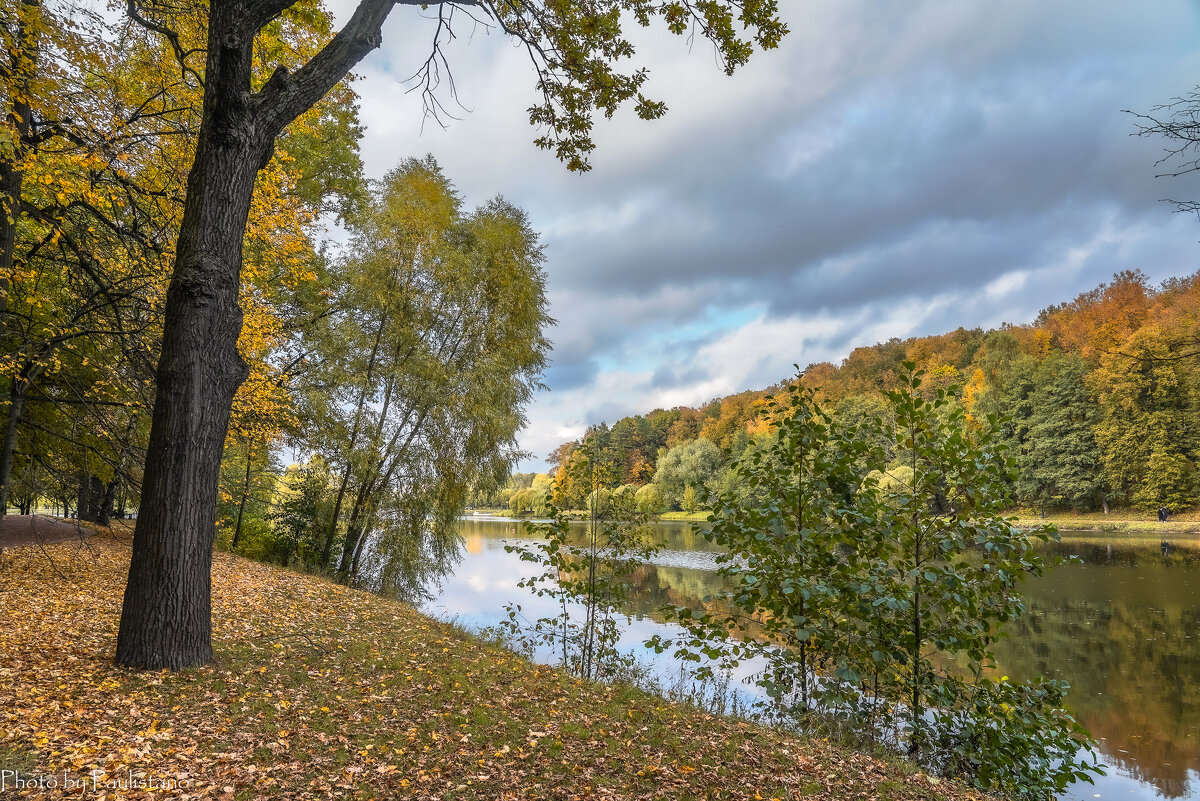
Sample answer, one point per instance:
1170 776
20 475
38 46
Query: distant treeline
1100 396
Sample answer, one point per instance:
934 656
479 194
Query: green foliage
1148 431
782 540
689 502
876 598
577 48
1016 739
649 499
696 464
430 350
521 502
302 510
248 484
590 579
598 503
1060 463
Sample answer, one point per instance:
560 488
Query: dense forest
1098 394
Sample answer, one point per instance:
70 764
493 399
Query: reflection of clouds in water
695 560
486 580
1117 784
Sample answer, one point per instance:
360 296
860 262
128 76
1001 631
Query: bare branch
181 55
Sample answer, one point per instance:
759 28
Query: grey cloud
673 374
565 374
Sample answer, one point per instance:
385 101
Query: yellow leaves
226 728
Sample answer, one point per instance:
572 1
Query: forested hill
1101 393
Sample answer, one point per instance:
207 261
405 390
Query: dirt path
17 531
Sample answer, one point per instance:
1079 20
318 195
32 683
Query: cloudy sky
893 169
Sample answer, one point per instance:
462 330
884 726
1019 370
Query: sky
891 170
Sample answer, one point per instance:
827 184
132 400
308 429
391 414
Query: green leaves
587 572
431 348
577 50
878 569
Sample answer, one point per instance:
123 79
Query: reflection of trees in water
671 535
1140 551
656 586
1127 640
1133 662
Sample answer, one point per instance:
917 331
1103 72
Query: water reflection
1122 628
1121 624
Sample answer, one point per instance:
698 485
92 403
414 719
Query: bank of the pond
1118 524
324 692
698 516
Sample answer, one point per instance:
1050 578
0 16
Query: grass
1118 524
324 692
700 515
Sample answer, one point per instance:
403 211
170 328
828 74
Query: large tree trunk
166 619
83 504
104 510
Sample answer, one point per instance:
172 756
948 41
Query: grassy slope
699 516
325 692
1120 523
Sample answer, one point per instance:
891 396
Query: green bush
876 591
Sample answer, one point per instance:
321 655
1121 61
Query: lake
1122 625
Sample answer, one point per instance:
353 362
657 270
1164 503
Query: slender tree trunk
365 499
16 406
327 550
354 533
358 549
88 492
237 530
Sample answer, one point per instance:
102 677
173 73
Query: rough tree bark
166 619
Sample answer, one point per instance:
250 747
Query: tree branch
171 36
287 95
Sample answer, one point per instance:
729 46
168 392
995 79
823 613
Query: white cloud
891 170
